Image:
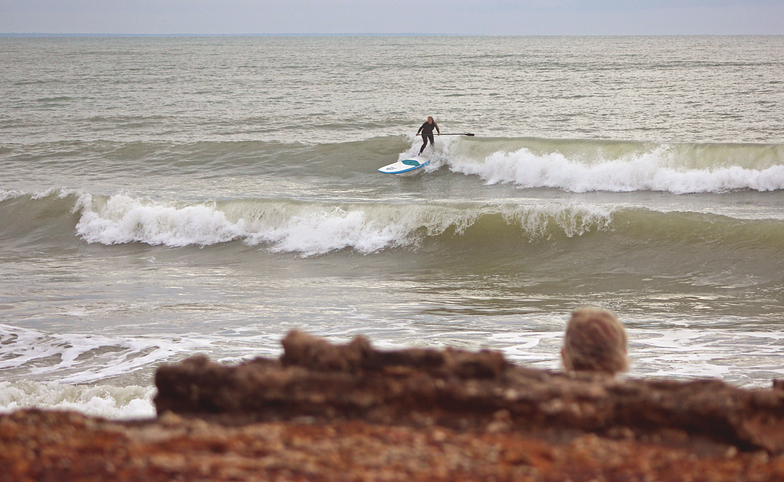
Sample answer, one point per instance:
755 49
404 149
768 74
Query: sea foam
108 401
313 228
124 219
655 170
85 358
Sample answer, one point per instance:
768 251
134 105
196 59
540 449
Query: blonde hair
594 341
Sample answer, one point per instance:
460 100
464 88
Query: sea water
166 197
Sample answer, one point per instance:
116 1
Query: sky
452 17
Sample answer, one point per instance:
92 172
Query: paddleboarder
427 132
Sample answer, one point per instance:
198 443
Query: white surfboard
404 166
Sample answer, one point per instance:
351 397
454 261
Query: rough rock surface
62 446
352 413
463 390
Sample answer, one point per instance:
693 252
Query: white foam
322 230
6 195
309 228
84 358
650 171
60 192
81 372
123 219
129 402
438 153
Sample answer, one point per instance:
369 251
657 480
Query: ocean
162 197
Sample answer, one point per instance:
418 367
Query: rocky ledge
349 412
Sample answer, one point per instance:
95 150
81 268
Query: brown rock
61 446
463 390
306 351
315 354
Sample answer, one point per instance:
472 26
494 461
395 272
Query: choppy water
161 197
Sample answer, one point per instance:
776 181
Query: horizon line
44 34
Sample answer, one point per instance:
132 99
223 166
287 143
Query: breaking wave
314 228
577 166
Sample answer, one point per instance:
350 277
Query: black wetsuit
427 133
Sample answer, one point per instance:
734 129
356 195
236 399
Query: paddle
466 134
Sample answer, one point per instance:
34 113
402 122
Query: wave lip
676 169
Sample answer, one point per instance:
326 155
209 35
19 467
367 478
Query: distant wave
582 166
565 164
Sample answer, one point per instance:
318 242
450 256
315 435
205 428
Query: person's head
430 119
594 341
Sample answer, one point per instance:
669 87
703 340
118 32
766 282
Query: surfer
427 132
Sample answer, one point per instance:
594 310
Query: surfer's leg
425 139
424 143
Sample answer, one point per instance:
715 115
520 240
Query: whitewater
167 197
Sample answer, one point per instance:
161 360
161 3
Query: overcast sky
470 17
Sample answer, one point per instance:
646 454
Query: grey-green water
161 197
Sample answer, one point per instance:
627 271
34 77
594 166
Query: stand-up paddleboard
405 166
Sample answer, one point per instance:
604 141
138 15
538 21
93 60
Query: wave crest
315 228
677 169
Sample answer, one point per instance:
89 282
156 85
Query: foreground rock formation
43 446
350 412
463 390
